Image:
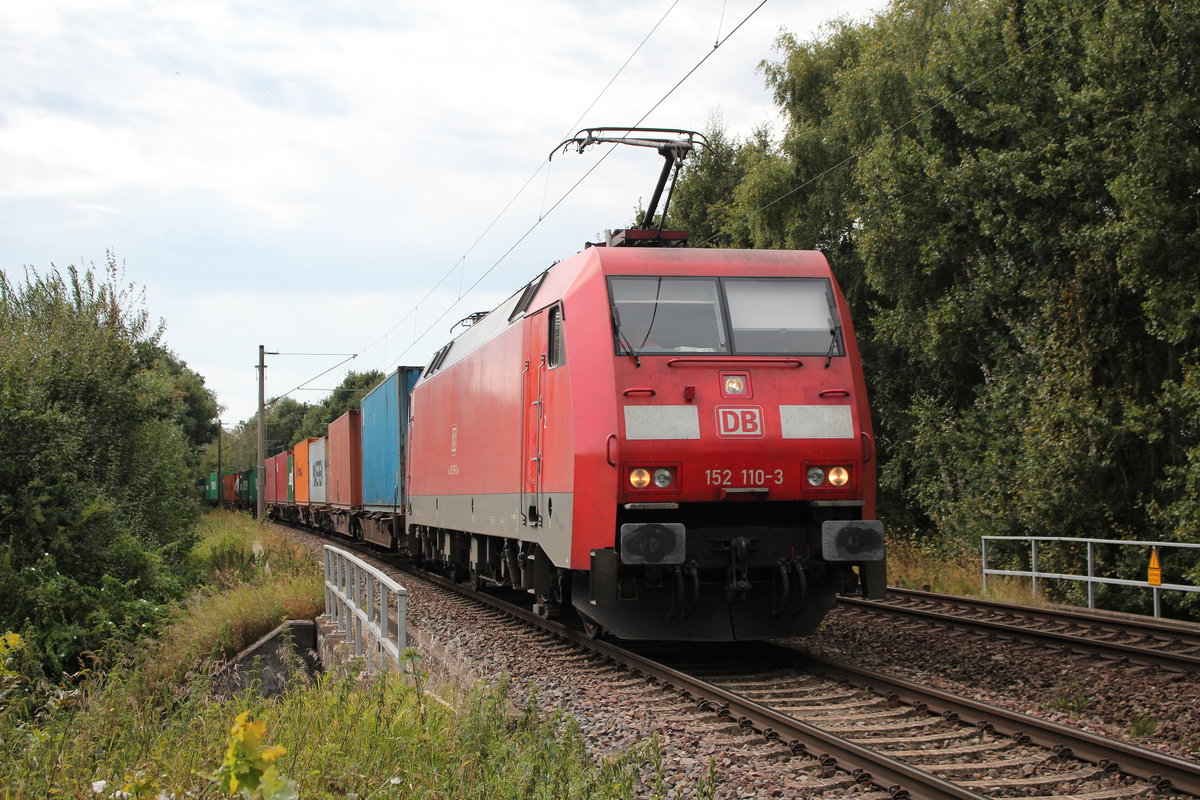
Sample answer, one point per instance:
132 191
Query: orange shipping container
229 487
300 470
344 461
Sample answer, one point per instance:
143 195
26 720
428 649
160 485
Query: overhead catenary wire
577 183
720 23
417 337
542 216
541 166
301 386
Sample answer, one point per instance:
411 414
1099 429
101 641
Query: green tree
95 492
1006 190
197 407
346 396
285 420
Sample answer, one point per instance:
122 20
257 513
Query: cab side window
557 354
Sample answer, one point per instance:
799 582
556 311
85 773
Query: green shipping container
247 486
210 487
291 478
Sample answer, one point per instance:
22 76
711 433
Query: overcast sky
302 173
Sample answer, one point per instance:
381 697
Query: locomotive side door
534 374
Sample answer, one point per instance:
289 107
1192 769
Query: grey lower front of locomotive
702 573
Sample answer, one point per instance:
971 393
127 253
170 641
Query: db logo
740 421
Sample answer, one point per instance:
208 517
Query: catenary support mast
259 479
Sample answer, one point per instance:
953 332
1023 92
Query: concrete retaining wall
305 647
273 661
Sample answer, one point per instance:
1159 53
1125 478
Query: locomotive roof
550 286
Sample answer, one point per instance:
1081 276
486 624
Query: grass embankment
949 566
145 725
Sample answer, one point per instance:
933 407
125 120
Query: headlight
639 478
735 384
839 476
663 477
816 476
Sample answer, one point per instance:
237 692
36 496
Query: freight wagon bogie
726 571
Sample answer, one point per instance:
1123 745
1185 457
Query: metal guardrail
358 599
1091 579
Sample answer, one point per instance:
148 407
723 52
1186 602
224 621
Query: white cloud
248 160
218 334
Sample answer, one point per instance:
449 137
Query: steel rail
1164 771
898 778
1141 655
1131 624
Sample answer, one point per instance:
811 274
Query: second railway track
1140 640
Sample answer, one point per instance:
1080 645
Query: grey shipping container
317 494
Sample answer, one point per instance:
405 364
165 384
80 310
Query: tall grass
145 723
254 579
343 736
947 565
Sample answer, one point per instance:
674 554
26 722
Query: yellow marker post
1154 573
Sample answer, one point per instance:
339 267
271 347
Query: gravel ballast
615 710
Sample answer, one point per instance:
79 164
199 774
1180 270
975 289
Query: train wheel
546 607
591 628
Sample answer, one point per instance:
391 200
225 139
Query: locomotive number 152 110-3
744 477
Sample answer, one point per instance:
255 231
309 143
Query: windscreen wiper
833 340
616 318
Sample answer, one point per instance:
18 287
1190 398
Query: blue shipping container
385 413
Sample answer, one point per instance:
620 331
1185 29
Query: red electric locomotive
674 441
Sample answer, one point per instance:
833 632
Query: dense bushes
95 485
1007 191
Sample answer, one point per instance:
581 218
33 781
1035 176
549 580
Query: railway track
1141 641
982 748
893 736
